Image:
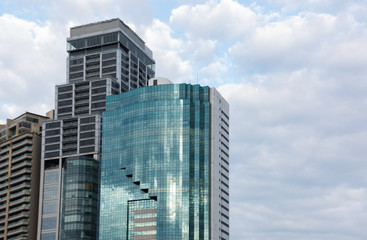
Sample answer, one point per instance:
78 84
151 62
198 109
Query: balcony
3 191
82 101
15 216
14 202
69 146
70 131
133 78
17 223
4 177
141 84
81 95
79 112
92 73
22 149
134 72
134 65
4 184
93 60
5 163
19 179
17 230
4 157
82 90
20 193
27 140
69 139
71 152
20 186
21 171
70 124
22 157
18 208
21 164
81 87
81 108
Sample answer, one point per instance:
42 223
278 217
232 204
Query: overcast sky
293 71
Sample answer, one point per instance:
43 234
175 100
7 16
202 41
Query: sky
293 72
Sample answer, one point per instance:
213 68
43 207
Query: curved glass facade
80 198
155 164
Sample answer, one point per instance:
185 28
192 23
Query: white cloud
327 6
225 19
86 11
302 158
288 44
200 51
166 51
32 61
214 73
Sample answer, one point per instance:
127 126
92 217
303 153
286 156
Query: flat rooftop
104 26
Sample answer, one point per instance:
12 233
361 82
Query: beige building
20 156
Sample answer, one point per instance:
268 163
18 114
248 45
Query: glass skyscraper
164 166
104 58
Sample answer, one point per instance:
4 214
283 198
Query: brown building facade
20 156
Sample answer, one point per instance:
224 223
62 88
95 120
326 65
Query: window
87 135
52 139
24 124
52 132
50 192
87 127
87 142
30 119
87 120
48 236
48 223
93 41
108 55
52 154
99 105
52 147
99 83
50 207
51 177
76 68
99 97
65 95
54 124
76 61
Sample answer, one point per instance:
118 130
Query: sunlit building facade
20 157
164 166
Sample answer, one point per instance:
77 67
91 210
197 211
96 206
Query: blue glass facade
155 167
79 198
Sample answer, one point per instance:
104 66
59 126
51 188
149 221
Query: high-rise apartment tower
104 58
164 166
20 157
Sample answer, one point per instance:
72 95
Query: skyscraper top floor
104 33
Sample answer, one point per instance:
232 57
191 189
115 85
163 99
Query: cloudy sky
294 73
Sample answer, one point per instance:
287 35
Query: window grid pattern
80 198
161 153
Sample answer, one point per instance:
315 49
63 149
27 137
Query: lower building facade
164 165
20 157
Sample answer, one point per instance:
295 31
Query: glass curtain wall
155 164
80 198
